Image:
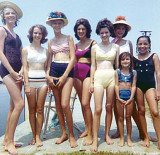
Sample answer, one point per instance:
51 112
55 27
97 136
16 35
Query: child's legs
129 110
141 111
120 111
153 106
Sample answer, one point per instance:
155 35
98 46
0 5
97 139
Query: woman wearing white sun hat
11 68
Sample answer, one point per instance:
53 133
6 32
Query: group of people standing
89 66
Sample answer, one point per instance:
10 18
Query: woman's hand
27 90
129 101
50 81
17 77
91 89
157 95
123 102
61 81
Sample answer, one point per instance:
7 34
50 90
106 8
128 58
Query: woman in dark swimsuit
82 81
10 69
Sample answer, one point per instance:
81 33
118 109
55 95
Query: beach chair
50 105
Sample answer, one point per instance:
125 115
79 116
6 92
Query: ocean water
4 107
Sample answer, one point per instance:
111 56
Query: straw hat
55 16
122 20
13 6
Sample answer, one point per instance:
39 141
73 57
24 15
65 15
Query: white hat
13 6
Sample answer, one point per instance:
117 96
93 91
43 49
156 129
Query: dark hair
43 30
125 33
123 55
86 24
3 18
103 24
149 42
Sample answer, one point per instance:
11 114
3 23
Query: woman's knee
19 105
141 111
98 111
85 105
155 114
40 110
121 119
128 118
109 108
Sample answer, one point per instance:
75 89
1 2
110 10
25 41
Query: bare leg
98 100
153 106
116 134
42 92
78 84
65 98
86 96
109 104
141 114
32 114
120 110
15 94
129 109
57 97
11 108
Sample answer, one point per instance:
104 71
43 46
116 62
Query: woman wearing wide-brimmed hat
60 73
10 68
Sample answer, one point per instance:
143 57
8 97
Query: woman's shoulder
2 31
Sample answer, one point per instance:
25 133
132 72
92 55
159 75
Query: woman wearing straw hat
60 73
10 69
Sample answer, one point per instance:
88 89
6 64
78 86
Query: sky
140 14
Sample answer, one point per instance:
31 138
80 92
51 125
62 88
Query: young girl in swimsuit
34 59
147 65
11 69
121 29
125 87
60 73
83 31
104 57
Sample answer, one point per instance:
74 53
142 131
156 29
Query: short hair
126 30
86 24
43 30
3 14
103 24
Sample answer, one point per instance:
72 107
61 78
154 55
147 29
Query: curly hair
86 24
43 30
125 33
3 16
103 24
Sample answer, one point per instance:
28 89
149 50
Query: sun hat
4 4
122 20
55 16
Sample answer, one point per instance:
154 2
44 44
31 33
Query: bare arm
117 57
157 71
131 47
133 89
93 66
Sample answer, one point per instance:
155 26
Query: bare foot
109 141
94 146
145 143
152 139
84 134
38 142
115 135
121 143
88 141
129 142
73 142
4 141
11 149
62 139
32 142
16 144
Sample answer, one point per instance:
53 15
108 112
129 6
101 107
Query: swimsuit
124 48
37 78
125 94
82 70
12 51
105 77
145 73
58 68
